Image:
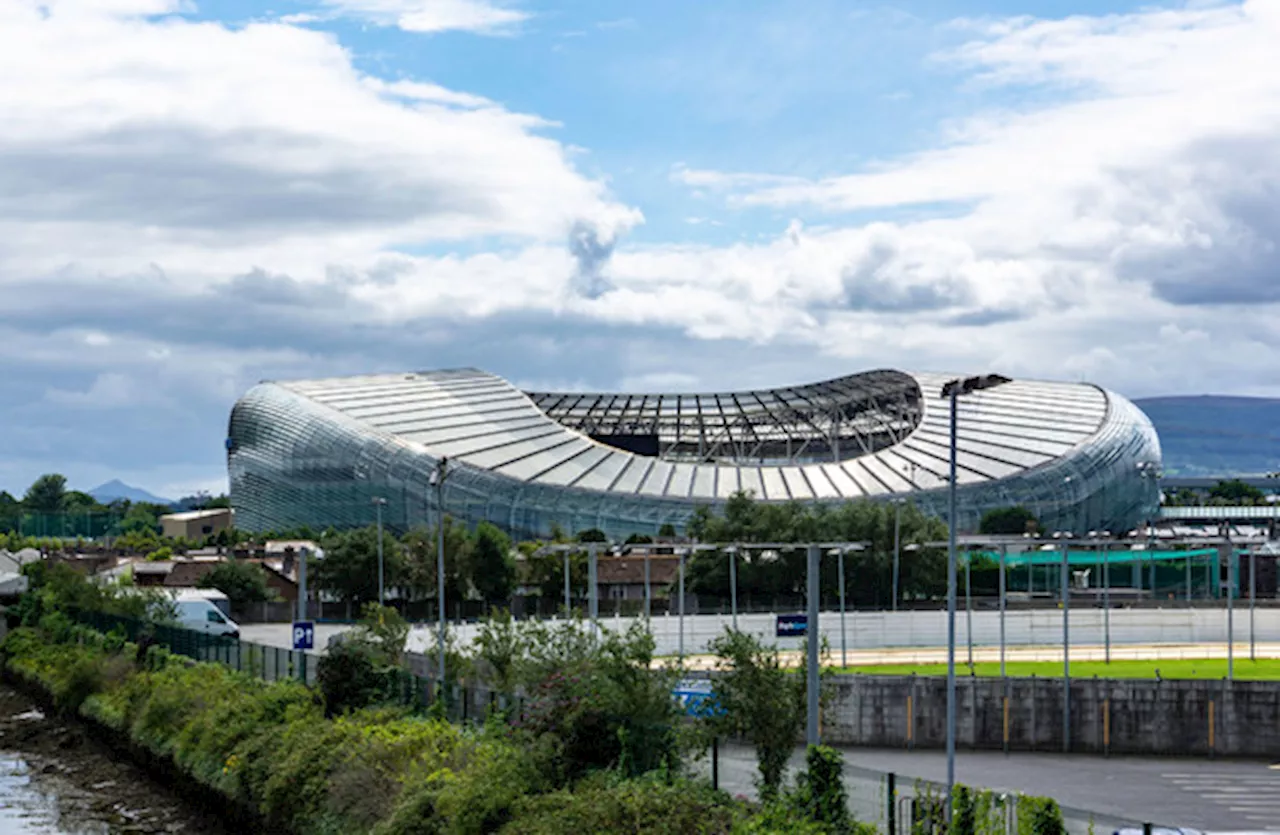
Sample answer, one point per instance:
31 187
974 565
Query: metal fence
402 686
896 805
901 805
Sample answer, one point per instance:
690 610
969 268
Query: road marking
1255 796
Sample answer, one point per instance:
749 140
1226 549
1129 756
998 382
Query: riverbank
268 749
56 778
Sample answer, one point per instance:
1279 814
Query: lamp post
897 550
732 551
951 391
438 476
378 503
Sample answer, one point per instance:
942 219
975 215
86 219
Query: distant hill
117 489
1209 435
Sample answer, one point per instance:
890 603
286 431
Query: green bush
1040 816
351 676
644 805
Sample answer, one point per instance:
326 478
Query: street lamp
952 391
378 503
438 476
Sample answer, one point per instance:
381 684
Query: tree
1008 520
759 701
491 569
667 530
242 582
1235 491
46 494
781 571
592 535
420 545
349 569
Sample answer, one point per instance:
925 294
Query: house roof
630 570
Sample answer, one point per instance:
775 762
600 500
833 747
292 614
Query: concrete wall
1145 717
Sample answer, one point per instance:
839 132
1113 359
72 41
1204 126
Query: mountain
117 489
1210 435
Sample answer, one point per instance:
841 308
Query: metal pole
681 604
648 593
568 592
1066 649
302 583
968 606
1253 594
593 590
897 550
1188 579
1106 599
811 732
733 584
951 616
440 474
844 643
1231 634
1003 549
377 503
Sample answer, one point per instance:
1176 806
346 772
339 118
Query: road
1216 796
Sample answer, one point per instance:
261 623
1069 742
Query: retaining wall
1184 718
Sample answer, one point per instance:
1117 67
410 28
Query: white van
203 616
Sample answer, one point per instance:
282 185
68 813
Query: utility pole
438 476
378 503
812 731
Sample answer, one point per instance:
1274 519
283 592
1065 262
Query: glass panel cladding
655 483
796 485
681 481
572 469
819 483
704 482
293 461
533 465
847 487
751 483
604 473
775 489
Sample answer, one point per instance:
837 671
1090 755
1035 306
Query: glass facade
317 453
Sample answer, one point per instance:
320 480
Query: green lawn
1263 669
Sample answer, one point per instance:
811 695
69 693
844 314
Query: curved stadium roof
316 452
864 435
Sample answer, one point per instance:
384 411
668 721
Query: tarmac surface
1214 796
1217 796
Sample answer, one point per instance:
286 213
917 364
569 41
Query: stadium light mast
952 391
438 476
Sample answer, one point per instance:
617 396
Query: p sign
304 634
792 626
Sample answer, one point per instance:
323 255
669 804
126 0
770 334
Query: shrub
643 805
760 701
820 791
1040 816
350 677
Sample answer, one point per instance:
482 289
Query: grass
1264 669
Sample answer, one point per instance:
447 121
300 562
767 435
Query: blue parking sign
304 634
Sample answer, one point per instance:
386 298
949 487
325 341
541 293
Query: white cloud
431 16
186 207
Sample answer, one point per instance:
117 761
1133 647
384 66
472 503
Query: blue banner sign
695 696
793 626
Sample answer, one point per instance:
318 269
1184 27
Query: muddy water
54 780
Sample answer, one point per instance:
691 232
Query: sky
596 194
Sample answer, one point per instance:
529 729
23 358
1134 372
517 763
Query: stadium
321 453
